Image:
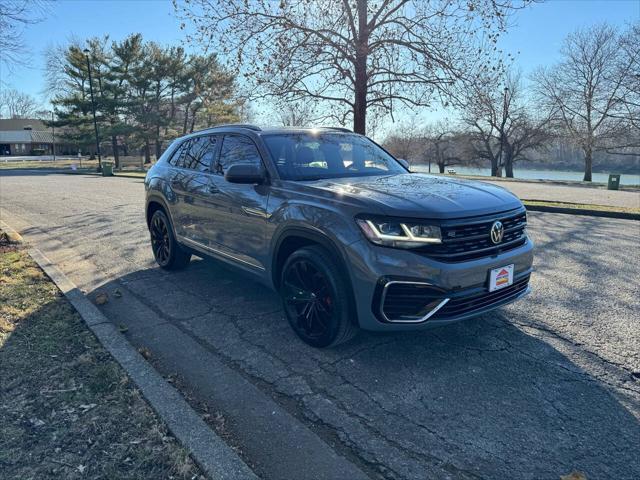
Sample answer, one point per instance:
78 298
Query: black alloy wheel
166 250
315 298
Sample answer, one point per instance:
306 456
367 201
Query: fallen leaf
145 352
101 298
36 422
117 293
574 476
81 468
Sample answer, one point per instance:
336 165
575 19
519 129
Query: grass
67 409
64 166
568 183
581 206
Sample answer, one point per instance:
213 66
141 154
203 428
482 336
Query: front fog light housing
399 234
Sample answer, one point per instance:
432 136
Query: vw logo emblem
497 232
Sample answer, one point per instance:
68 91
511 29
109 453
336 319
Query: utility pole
53 134
93 106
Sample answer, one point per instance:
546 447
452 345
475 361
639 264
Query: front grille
456 307
467 241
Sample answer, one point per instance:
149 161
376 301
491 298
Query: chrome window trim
417 320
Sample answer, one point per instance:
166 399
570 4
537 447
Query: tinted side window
237 149
176 158
201 153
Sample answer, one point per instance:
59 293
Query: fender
157 198
317 236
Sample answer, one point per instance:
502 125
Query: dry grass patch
68 410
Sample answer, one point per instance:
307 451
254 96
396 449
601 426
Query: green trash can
614 182
107 169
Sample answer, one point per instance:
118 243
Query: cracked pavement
534 390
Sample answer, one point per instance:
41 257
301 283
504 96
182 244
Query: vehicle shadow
505 395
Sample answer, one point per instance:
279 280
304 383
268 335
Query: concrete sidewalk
572 194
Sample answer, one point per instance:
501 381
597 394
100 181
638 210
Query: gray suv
342 230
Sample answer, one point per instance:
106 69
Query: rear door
177 182
238 210
192 184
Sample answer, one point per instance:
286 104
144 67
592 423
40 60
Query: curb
11 233
582 211
210 452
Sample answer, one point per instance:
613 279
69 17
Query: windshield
309 156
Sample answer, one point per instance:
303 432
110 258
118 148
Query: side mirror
245 173
404 163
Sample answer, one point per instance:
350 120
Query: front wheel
166 250
316 298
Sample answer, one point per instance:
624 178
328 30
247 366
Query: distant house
27 136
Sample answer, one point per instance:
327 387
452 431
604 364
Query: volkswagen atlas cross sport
341 229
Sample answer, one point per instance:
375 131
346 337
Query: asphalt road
533 391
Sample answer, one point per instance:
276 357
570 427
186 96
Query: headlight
392 233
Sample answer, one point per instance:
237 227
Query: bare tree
628 109
444 146
361 56
586 87
406 142
502 127
296 114
15 15
15 104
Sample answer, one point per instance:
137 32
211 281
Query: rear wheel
166 250
316 298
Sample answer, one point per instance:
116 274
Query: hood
424 196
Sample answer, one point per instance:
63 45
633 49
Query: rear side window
176 158
237 149
200 153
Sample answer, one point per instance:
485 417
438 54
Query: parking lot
534 390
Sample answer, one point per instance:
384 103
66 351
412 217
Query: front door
238 211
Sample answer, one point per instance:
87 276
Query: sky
536 33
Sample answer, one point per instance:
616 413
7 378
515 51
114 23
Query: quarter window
176 158
237 149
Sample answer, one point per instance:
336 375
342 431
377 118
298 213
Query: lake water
625 179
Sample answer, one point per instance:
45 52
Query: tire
166 250
316 298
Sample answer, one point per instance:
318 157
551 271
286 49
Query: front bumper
462 284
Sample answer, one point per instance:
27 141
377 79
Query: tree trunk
360 81
193 120
116 154
186 118
494 167
147 151
508 168
588 161
158 142
508 162
441 167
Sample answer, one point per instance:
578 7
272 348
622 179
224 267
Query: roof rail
339 129
237 125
